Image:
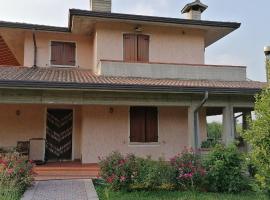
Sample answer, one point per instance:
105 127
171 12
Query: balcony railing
171 71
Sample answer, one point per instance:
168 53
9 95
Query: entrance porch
66 171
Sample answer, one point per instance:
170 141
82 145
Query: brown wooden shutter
143 48
56 53
130 47
137 124
69 54
151 124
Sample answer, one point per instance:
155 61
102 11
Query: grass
10 194
105 194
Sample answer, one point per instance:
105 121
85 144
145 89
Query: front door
59 134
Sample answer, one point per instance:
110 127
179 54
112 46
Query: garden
16 174
224 173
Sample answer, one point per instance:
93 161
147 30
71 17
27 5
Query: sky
242 47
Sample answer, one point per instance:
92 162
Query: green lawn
10 194
109 195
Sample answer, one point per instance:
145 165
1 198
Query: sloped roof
74 78
6 56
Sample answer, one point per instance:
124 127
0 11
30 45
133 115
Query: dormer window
136 48
63 54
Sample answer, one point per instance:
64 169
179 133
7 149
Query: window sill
151 144
64 66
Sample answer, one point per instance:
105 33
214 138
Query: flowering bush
133 173
189 171
15 172
116 170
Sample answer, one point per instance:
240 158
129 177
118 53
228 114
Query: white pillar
228 125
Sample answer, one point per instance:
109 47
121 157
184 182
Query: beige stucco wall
13 127
84 48
167 45
31 124
104 132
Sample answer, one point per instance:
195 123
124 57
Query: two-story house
109 81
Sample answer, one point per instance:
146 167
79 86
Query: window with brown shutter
63 53
136 48
143 124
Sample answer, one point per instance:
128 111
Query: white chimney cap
196 5
267 50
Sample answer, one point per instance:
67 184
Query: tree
214 130
258 137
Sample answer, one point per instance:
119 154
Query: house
110 81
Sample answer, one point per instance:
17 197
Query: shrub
189 171
259 137
152 175
225 172
116 170
133 173
15 173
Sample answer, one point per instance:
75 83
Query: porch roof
82 79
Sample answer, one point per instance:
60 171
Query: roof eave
124 88
153 19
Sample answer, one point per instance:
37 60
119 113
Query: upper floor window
144 124
63 53
136 48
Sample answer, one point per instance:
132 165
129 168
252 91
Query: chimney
101 5
267 62
194 10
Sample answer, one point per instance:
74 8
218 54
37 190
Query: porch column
191 130
228 125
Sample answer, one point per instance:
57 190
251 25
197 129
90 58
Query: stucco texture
167 45
104 132
84 48
24 122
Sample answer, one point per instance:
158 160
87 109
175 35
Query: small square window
63 53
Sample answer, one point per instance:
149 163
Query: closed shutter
69 54
137 124
143 48
130 48
151 124
63 53
56 53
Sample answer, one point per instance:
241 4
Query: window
63 53
143 124
136 48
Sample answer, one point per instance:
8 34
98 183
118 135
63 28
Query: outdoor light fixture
138 29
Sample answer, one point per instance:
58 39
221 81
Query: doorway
59 129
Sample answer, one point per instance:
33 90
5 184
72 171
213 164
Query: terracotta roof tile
6 56
82 76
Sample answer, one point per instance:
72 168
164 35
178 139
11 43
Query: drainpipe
196 119
35 48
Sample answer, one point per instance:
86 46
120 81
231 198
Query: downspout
196 119
35 49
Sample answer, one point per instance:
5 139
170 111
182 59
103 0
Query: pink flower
10 171
110 179
122 179
122 162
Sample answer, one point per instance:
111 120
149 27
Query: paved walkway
62 190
